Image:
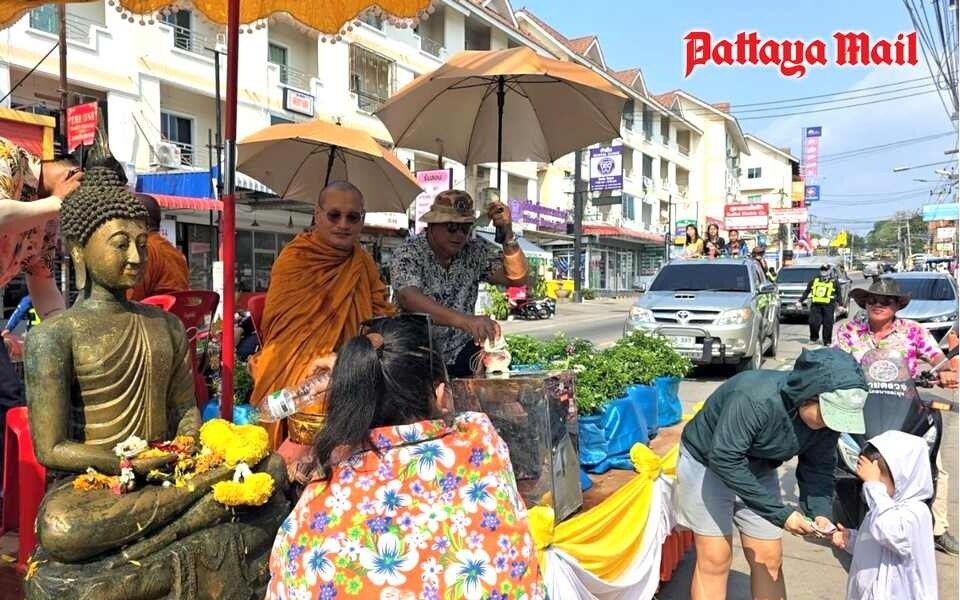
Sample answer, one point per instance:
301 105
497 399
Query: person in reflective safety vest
822 291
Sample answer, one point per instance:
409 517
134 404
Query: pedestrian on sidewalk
892 551
730 452
439 271
880 329
822 291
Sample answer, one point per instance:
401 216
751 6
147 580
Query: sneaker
946 543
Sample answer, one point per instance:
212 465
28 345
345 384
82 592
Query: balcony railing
78 27
431 47
294 77
682 190
684 150
188 40
187 153
665 140
370 102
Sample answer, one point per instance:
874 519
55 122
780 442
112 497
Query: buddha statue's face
116 254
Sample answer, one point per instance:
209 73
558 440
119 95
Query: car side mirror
845 281
767 288
642 288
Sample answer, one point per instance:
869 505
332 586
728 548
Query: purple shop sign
606 168
544 218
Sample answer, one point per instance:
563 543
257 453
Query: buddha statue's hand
142 466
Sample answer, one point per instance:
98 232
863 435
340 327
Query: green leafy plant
601 377
524 349
588 294
650 356
499 306
242 383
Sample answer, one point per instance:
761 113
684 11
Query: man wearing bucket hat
730 452
879 328
438 272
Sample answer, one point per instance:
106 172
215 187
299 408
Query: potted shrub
660 366
526 353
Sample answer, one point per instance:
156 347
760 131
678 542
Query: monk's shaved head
153 211
339 186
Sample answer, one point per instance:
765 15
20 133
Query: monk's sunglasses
422 319
336 216
881 300
464 228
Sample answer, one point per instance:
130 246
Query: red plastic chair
193 308
164 301
24 483
255 306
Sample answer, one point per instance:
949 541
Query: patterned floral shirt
909 336
32 251
455 287
434 515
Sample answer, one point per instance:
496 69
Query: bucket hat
883 286
452 206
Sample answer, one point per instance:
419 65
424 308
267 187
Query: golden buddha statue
105 370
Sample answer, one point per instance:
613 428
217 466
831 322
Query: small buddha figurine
100 372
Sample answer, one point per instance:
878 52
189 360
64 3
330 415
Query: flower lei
221 443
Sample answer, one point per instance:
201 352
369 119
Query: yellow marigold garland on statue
235 443
253 489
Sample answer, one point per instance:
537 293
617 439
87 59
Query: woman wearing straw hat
879 327
438 272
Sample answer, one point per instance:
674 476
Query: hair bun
376 340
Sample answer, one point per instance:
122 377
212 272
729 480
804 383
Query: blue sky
649 35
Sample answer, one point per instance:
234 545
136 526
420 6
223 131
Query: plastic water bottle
288 401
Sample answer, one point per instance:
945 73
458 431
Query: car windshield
927 288
797 275
698 277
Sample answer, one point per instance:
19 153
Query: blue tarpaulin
606 439
190 184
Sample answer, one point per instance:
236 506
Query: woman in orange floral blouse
412 505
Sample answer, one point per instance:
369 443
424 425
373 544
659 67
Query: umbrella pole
227 350
330 159
501 97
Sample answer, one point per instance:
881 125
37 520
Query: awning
530 249
623 232
186 203
189 184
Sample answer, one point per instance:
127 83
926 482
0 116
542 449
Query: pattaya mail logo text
792 57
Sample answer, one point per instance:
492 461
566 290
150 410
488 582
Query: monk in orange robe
166 266
322 287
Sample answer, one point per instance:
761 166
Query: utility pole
64 93
577 224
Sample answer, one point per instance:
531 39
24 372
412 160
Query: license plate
683 341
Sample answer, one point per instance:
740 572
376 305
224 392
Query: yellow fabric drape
605 539
326 16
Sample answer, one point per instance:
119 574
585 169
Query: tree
885 236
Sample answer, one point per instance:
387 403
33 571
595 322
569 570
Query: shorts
706 506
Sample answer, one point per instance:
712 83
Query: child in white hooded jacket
893 554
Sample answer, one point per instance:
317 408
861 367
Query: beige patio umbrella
297 160
504 105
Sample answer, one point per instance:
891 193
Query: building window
372 20
181 21
372 78
178 130
277 55
517 188
754 199
753 173
476 36
629 212
647 124
275 120
628 115
44 18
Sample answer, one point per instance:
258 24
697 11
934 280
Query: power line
850 91
30 72
808 112
928 86
866 150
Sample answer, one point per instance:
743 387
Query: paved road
812 571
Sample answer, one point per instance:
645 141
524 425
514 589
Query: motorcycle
893 403
523 307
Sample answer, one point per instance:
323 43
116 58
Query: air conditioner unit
168 155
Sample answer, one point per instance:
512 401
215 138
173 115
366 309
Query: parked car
722 311
871 269
792 282
933 300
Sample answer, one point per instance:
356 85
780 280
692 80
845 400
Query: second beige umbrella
297 160
504 105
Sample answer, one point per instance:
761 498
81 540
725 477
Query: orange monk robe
166 269
317 299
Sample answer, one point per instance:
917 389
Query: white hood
909 460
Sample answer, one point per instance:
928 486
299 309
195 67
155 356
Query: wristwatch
511 245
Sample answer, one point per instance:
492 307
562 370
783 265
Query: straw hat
883 286
452 206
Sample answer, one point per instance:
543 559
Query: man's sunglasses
464 228
881 300
336 216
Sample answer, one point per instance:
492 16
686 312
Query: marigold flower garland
221 443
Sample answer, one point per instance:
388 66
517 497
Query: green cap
842 410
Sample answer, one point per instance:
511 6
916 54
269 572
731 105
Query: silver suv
716 311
